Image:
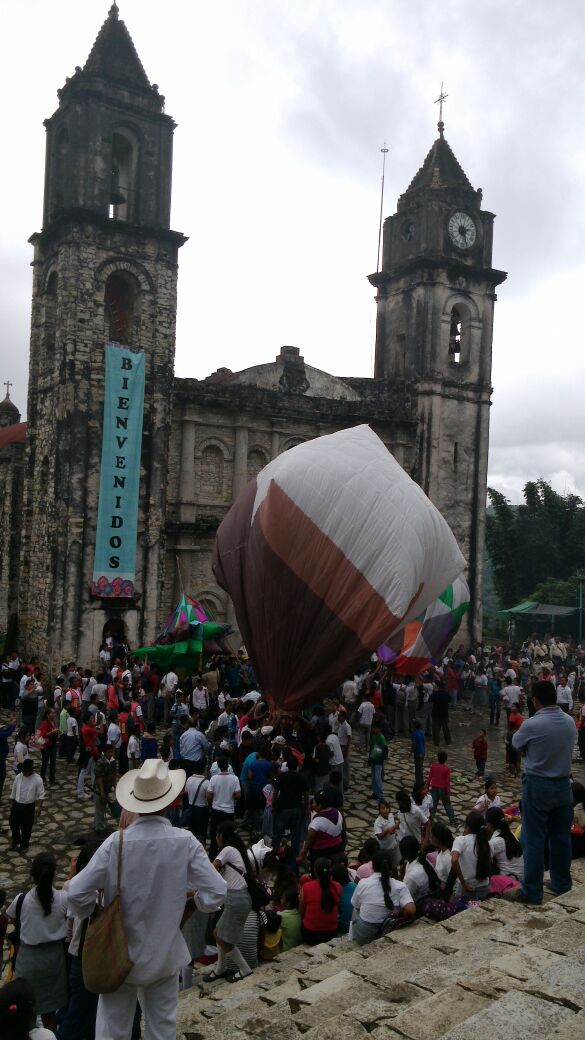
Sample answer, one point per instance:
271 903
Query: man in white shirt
511 694
344 733
366 712
349 693
200 696
564 695
152 850
169 683
335 752
26 800
222 794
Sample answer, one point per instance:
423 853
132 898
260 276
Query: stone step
496 969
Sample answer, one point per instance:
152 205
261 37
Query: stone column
240 460
187 476
275 444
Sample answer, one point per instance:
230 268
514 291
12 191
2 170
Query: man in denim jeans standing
547 804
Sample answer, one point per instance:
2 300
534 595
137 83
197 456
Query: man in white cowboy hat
160 865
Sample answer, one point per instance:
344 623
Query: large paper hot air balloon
423 641
325 554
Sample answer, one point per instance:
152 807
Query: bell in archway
117 198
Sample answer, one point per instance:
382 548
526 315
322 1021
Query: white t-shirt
34 926
411 823
416 880
564 695
511 694
335 752
511 867
368 898
170 682
196 789
233 868
349 692
411 694
343 733
484 803
72 726
366 712
133 746
40 1033
223 787
20 753
27 789
114 735
443 865
390 841
465 846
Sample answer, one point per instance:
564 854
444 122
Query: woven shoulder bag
104 958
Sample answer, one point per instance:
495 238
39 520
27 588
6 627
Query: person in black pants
440 715
26 799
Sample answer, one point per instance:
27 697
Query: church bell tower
435 307
105 270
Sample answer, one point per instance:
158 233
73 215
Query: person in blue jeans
377 757
547 740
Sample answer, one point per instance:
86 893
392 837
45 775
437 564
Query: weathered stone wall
11 478
58 618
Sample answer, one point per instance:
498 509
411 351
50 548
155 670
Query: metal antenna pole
384 152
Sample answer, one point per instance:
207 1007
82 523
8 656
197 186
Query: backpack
15 939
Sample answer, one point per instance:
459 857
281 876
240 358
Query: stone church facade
105 269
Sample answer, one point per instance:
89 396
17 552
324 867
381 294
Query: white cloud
282 110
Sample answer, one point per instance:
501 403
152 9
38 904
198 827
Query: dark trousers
49 760
547 813
419 769
70 748
216 817
480 766
21 821
438 725
2 774
79 1020
288 819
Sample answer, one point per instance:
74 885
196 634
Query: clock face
462 230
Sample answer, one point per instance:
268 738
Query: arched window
257 460
211 483
459 334
121 307
50 323
122 201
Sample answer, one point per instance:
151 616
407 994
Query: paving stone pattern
65 818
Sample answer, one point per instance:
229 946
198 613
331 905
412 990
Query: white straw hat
150 788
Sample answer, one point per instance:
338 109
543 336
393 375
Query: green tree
543 539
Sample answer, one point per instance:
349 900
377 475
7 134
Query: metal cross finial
8 384
441 98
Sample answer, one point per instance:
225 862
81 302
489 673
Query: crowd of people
221 823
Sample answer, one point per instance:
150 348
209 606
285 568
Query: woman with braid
375 898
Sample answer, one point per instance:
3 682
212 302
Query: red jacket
439 776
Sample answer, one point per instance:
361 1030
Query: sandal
237 976
213 976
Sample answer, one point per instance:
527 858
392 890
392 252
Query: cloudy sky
282 110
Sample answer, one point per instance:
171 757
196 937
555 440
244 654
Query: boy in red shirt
439 784
480 752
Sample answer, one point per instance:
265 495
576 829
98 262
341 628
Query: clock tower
435 307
